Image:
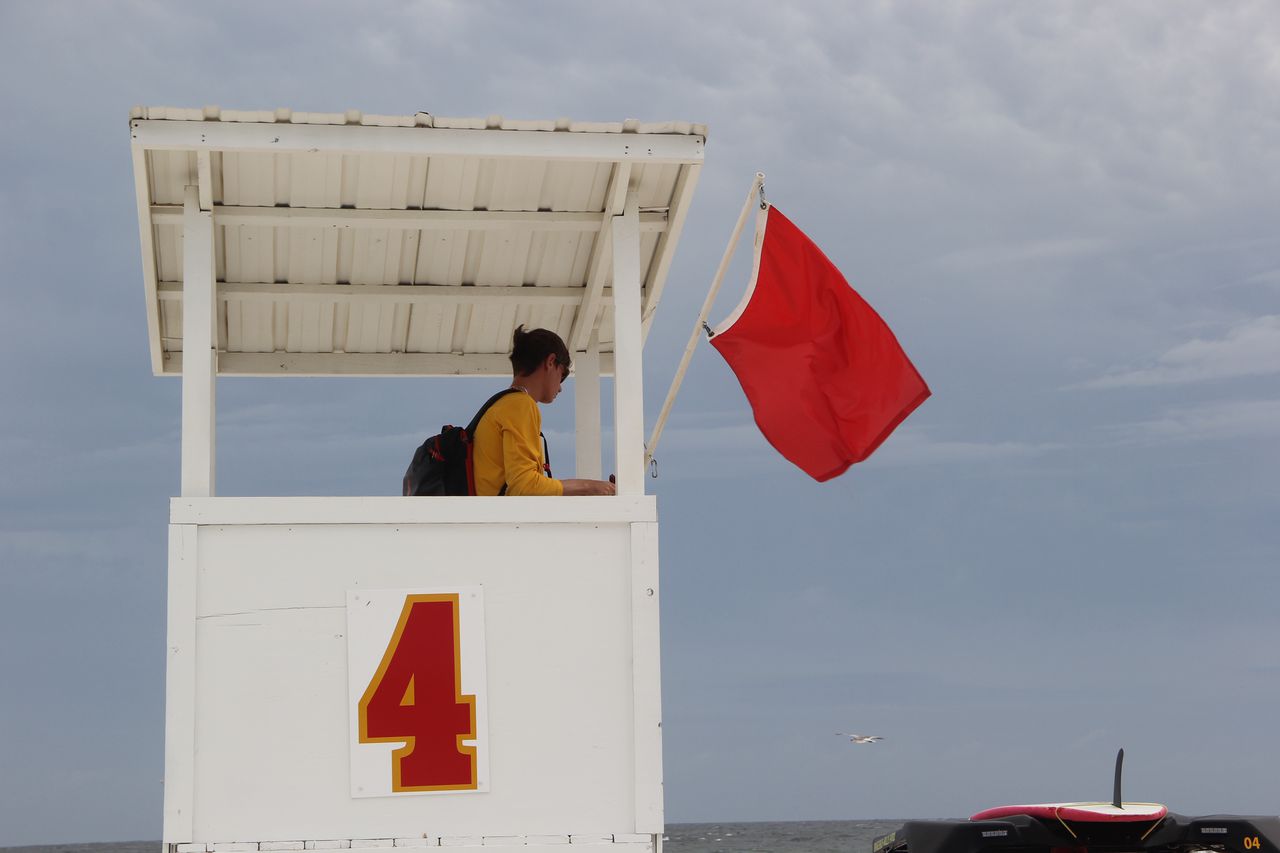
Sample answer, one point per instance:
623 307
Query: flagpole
756 185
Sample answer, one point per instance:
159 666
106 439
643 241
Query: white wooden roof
360 244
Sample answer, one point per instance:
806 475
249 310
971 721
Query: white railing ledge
398 510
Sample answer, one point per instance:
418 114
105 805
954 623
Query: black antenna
1115 799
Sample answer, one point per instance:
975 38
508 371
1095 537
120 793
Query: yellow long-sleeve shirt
508 449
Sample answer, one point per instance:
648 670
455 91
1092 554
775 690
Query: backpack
442 464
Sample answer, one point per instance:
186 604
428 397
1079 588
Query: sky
1067 211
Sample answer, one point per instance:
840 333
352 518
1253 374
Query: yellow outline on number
459 696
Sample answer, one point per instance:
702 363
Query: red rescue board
1080 812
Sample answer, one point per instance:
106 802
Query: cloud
1271 276
1250 348
915 447
1208 422
1013 253
733 447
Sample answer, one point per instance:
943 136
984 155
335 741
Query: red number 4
416 698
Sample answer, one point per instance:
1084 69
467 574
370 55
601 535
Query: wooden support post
199 348
586 400
628 384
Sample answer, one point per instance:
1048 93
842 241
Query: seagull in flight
861 738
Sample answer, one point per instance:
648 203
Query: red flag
826 378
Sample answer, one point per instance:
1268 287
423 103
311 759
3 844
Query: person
508 447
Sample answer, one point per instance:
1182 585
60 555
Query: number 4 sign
415 663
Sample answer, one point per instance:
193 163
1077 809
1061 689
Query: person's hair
529 349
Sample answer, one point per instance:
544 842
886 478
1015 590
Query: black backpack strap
475 422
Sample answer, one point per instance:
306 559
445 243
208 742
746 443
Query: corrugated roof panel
341 326
215 176
250 325
484 328
400 328
517 184
432 327
250 254
503 260
442 256
308 249
171 324
384 182
369 257
315 180
249 179
235 339
310 326
656 182
307 254
648 250
171 173
606 327
168 249
451 183
575 187
280 324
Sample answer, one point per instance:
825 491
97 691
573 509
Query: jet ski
1114 827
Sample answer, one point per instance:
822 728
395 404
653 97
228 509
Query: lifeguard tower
386 672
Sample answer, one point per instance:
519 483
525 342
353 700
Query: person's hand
587 487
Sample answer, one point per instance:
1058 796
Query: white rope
702 319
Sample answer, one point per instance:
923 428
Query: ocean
825 836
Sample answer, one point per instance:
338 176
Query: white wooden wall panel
180 685
397 510
271 678
647 677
